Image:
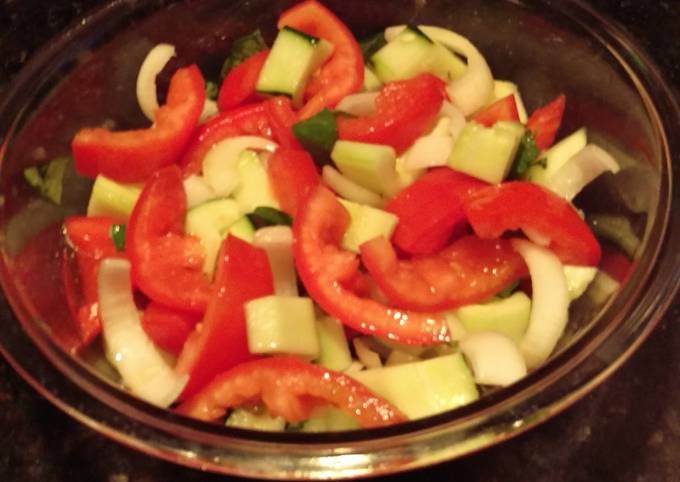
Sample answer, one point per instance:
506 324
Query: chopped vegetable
317 134
48 180
243 48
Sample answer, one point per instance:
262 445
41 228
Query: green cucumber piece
372 166
292 59
556 157
366 223
242 229
578 279
509 316
113 199
371 81
330 419
486 153
423 388
334 351
264 422
282 325
254 189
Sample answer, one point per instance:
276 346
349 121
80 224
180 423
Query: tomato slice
616 264
166 263
504 109
470 270
327 272
239 84
132 156
293 176
542 215
545 122
430 210
291 388
404 111
272 118
220 341
168 328
343 73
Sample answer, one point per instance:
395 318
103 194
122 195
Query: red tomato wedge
220 341
470 270
132 156
90 238
290 388
272 118
292 175
430 210
343 73
504 109
239 84
404 111
166 263
545 122
540 213
327 271
168 328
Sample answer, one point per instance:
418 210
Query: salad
336 235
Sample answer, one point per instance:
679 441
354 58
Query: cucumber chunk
369 165
557 156
578 279
292 59
423 388
110 198
366 223
371 81
509 316
242 418
486 153
242 229
254 189
333 348
330 419
282 325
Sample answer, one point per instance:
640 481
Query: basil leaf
267 216
118 236
527 155
241 49
318 135
48 179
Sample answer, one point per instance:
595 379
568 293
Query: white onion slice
366 356
580 169
471 91
456 119
277 241
220 164
349 189
549 304
428 151
494 358
128 347
197 191
146 78
360 105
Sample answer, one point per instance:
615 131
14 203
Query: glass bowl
86 77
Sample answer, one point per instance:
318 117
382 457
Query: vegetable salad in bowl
335 234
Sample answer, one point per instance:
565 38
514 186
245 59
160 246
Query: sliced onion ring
549 304
348 189
128 348
146 78
494 358
360 105
473 90
277 241
580 169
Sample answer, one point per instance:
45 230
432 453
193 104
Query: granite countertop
628 429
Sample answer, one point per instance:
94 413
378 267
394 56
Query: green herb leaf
371 45
241 49
267 216
318 135
212 89
118 236
48 179
527 156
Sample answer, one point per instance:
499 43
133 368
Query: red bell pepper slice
132 156
239 84
90 238
430 210
327 272
293 176
616 264
168 328
405 110
545 122
504 109
343 73
273 118
291 388
470 270
523 205
220 341
166 263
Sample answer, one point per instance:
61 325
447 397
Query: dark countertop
628 429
